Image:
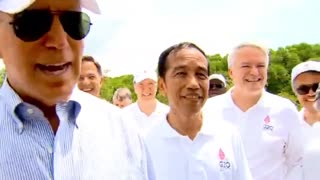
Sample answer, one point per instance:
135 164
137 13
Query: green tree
278 78
2 74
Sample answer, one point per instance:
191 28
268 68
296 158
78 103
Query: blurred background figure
122 97
217 84
90 80
147 109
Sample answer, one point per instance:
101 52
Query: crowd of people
55 125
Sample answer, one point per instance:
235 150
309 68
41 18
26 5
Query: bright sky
130 35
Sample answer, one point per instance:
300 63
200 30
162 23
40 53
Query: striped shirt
92 141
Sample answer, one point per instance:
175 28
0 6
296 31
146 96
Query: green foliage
110 85
278 78
2 73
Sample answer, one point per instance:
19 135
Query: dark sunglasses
304 89
216 86
31 25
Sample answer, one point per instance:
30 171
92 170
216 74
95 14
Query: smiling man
186 144
90 80
49 129
147 109
269 124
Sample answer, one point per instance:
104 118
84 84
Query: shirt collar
159 109
262 102
208 127
21 109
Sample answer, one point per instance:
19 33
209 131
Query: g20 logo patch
223 163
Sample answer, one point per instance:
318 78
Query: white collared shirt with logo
215 154
144 122
271 134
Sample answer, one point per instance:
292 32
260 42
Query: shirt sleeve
294 146
243 171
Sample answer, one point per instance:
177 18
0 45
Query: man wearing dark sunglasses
305 78
217 85
49 129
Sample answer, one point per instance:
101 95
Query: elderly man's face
249 70
45 69
122 103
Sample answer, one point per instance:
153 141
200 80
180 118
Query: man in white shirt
187 144
269 124
147 109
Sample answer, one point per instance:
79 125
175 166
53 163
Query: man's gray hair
122 94
243 45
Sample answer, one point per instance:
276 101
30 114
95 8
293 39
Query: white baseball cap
304 67
146 74
219 77
16 6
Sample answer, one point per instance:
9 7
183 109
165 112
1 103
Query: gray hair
243 45
121 94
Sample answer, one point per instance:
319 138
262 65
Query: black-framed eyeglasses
304 89
31 25
216 86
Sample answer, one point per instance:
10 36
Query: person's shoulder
130 107
162 107
224 127
277 101
157 130
217 99
216 103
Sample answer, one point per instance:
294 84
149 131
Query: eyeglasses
304 89
216 86
31 25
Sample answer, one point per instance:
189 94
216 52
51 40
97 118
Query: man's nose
56 37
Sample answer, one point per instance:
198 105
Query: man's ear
103 78
162 86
